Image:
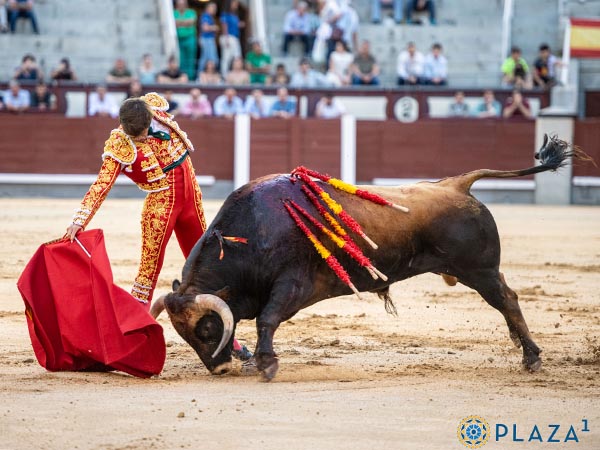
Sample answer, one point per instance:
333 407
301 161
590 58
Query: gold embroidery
120 147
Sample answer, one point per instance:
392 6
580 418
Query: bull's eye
209 329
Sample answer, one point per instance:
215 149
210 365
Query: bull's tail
553 155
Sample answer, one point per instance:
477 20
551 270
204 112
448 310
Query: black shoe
243 354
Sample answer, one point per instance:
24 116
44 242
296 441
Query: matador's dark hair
135 116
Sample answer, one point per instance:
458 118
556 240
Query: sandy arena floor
350 376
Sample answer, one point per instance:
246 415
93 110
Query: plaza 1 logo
475 432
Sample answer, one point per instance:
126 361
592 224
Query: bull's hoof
533 366
269 373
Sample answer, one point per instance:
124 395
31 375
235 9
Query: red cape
79 320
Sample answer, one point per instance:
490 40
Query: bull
278 272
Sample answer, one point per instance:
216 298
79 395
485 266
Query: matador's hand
72 230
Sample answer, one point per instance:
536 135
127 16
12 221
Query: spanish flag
585 38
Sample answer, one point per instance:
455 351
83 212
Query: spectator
173 104
237 75
296 26
230 36
28 70
329 31
185 22
228 104
329 108
376 6
210 75
284 107
197 106
516 105
16 100
458 108
208 32
1 100
63 71
436 67
24 9
3 20
306 77
172 74
489 106
544 74
42 99
256 105
280 77
135 89
119 73
420 6
349 23
339 65
515 70
258 64
411 64
147 71
364 68
101 104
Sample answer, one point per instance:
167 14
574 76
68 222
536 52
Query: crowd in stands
332 57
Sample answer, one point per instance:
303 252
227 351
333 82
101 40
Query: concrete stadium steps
472 43
91 33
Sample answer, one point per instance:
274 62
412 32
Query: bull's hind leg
493 288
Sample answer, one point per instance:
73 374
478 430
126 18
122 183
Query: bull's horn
214 303
158 306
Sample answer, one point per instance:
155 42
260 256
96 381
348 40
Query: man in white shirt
306 77
436 66
329 108
102 104
410 67
228 104
296 25
16 99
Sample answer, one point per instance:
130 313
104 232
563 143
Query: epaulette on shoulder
156 101
120 147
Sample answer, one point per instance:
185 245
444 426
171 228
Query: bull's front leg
266 359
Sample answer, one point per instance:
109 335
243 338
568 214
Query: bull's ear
175 285
545 140
224 293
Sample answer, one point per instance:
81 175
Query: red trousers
178 209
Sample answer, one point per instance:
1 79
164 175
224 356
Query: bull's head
204 321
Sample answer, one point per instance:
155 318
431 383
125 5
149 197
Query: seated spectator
237 76
280 77
284 107
3 19
489 106
458 108
339 65
172 74
364 68
544 73
411 65
42 99
210 75
119 73
1 100
21 9
63 71
16 100
377 5
258 64
101 104
197 106
436 67
28 70
296 26
515 70
329 108
228 104
147 71
516 105
420 6
135 89
255 105
173 104
306 77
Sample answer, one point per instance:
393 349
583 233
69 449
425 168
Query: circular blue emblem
473 432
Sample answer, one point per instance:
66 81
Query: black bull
278 272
